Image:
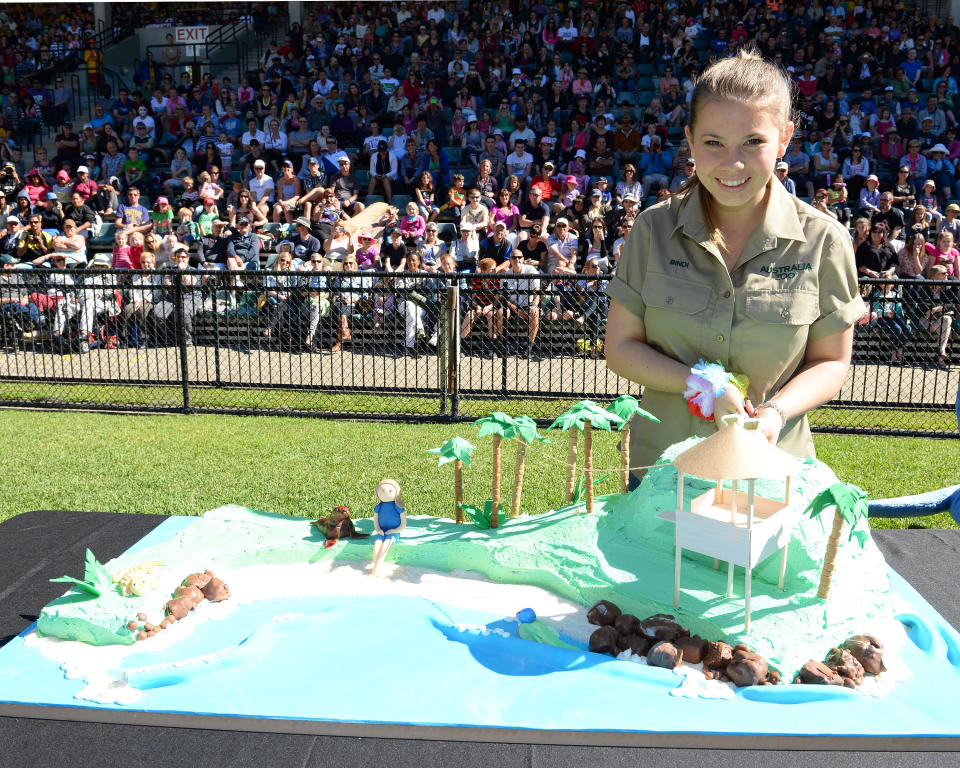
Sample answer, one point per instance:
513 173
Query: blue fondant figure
388 519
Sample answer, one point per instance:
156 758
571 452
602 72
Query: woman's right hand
731 401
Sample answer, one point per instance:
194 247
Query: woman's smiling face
736 146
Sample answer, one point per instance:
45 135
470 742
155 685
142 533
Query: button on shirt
795 281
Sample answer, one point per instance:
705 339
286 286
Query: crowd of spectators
538 131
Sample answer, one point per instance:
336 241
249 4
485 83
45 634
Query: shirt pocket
782 307
675 311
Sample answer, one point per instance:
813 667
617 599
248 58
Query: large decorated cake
564 620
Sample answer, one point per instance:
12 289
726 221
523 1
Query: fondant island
623 552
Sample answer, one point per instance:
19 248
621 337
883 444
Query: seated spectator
941 303
562 247
191 297
431 249
482 304
71 244
521 299
533 211
425 197
383 171
466 248
346 187
141 294
35 244
243 247
475 212
339 245
593 246
877 258
288 189
393 251
942 252
262 188
350 291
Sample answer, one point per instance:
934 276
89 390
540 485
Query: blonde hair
747 78
399 500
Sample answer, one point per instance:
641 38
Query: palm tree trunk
458 490
588 462
518 477
495 511
571 463
625 457
833 543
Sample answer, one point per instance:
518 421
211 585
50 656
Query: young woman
677 300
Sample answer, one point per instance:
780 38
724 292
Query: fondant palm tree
500 426
626 407
457 450
584 416
526 435
850 503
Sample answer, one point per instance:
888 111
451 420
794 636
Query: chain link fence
403 346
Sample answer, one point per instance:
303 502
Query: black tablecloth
37 546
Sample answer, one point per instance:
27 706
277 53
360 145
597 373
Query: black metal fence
424 346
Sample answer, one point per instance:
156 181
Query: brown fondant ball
692 648
664 654
141 617
190 591
179 607
818 673
627 624
638 644
603 613
604 640
197 580
868 651
132 625
660 626
216 590
747 667
844 664
717 655
141 635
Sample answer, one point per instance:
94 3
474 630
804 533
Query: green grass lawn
173 464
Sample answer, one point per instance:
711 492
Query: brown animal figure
338 525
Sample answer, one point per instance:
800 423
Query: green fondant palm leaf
626 407
454 449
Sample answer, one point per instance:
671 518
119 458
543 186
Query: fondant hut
731 524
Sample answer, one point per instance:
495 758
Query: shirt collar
781 219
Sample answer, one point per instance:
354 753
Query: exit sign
190 34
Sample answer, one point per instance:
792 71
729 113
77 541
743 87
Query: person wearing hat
314 185
941 169
51 213
780 171
870 196
951 222
10 237
95 300
928 199
191 298
262 187
14 301
86 186
305 244
383 170
548 184
346 188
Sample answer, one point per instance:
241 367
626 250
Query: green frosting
623 553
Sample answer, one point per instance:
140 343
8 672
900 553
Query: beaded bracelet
707 382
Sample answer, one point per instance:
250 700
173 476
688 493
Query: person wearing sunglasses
876 257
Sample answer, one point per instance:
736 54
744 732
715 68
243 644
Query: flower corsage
707 382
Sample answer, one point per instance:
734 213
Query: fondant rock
197 579
817 673
179 607
638 644
190 591
717 655
664 654
867 650
660 626
627 624
603 613
692 648
844 664
604 640
747 667
215 590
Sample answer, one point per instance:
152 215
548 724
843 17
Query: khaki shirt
795 281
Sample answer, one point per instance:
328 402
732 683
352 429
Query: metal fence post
181 339
451 341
